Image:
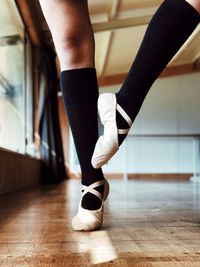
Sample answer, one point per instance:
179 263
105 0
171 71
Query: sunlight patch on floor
97 245
101 248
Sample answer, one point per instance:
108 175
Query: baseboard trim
151 176
144 176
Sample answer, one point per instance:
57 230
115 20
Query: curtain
49 125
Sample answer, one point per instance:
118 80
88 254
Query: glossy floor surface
146 224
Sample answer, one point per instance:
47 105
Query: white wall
171 107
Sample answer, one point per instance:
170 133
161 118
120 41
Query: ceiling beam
114 10
180 70
168 72
108 45
190 50
121 23
105 55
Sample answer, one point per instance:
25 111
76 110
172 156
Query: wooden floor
146 224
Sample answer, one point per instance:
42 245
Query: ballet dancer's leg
72 34
170 27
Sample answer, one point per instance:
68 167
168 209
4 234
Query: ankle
89 200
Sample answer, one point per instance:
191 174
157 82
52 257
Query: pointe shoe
107 144
90 220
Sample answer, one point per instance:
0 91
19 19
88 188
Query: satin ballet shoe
91 220
107 144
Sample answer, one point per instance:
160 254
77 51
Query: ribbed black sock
169 28
80 94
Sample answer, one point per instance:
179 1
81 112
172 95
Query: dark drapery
49 125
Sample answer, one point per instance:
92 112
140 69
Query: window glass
12 78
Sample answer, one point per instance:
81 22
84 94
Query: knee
71 42
74 48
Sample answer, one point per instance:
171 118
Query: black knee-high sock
80 93
169 28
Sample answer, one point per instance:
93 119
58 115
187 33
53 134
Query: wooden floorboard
146 224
